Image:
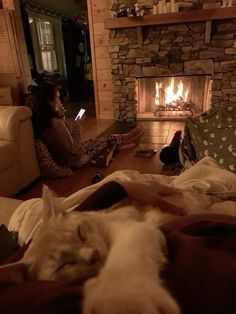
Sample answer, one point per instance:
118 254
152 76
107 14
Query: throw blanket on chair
213 134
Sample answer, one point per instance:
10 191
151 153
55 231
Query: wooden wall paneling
105 95
93 55
105 85
99 29
101 40
107 110
99 36
100 13
103 64
9 62
21 45
104 75
15 72
20 48
102 52
99 4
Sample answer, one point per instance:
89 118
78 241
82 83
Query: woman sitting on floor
63 142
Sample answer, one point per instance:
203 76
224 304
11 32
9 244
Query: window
47 45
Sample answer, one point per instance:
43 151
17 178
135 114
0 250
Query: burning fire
168 96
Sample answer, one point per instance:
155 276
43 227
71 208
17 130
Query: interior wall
19 78
98 10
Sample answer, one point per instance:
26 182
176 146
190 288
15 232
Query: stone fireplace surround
172 50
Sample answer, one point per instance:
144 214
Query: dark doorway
78 62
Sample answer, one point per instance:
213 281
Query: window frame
47 45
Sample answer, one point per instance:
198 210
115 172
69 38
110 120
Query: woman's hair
42 110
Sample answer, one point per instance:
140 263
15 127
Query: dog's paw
137 298
165 303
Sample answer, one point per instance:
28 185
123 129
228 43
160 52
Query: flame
170 97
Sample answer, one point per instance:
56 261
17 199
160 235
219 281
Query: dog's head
67 246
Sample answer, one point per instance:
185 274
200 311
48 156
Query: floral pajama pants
92 147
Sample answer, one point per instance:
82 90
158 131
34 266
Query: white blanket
206 176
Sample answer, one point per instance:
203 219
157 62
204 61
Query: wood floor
157 135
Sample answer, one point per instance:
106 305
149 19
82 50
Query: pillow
26 219
48 167
208 176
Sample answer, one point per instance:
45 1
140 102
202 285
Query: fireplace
172 51
173 97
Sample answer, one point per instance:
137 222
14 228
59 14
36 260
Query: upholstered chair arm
10 119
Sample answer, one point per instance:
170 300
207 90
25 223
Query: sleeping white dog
119 251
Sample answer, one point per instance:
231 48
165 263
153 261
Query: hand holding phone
80 114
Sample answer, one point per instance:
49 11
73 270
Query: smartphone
80 114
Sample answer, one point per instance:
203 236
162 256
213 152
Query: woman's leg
92 148
132 137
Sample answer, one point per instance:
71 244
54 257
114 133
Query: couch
18 161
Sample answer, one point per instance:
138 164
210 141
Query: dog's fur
122 248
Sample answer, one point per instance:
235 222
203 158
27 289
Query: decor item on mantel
172 18
154 7
165 7
123 10
171 7
228 3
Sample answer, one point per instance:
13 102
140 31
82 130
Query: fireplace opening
173 97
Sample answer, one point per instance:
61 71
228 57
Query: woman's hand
73 126
60 111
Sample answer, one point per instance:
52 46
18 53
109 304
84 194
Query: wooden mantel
171 18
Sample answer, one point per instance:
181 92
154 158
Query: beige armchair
18 160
